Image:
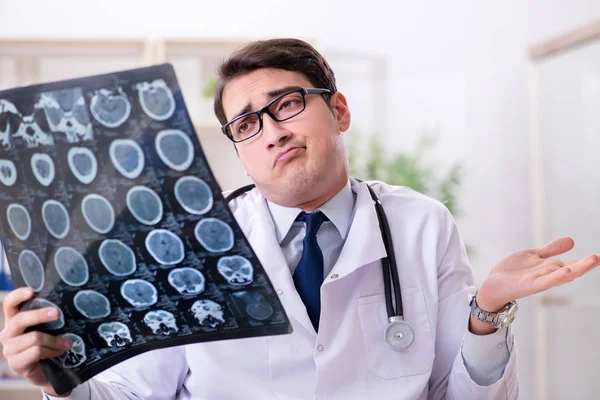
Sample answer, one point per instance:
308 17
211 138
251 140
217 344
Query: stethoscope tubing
391 280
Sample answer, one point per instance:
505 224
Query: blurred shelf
7 384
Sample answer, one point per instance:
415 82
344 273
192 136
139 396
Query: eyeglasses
280 109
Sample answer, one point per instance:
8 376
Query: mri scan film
92 304
83 164
71 266
43 168
8 172
127 157
156 99
117 257
145 205
75 356
110 107
193 194
32 270
112 215
175 149
56 218
19 220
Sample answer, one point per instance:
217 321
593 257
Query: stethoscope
399 334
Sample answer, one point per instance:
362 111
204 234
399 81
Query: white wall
459 66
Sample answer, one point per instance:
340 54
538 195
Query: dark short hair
288 54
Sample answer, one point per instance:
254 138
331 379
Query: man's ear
341 112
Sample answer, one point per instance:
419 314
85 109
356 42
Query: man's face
294 161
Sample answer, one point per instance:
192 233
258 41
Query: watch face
510 314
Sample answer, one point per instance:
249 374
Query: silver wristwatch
500 319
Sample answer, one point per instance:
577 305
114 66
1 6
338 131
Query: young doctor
316 230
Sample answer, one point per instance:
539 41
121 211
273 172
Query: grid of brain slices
112 107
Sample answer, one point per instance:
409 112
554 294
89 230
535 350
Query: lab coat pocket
418 358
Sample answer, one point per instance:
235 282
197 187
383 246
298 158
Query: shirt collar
338 209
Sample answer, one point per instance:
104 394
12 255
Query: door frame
537 54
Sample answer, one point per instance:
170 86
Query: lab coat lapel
260 232
364 243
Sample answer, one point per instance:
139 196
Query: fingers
13 299
585 265
548 267
566 274
556 278
16 325
31 356
21 343
555 247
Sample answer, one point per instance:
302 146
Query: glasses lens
288 106
243 128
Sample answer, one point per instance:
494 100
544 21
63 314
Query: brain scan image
145 205
187 280
8 172
139 293
156 99
19 220
161 322
236 270
98 213
67 113
92 304
56 218
214 235
42 167
116 334
193 194
117 257
208 313
127 157
175 149
166 247
110 107
71 266
10 118
257 306
83 164
75 356
30 125
32 270
38 303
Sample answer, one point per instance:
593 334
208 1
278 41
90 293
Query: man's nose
275 132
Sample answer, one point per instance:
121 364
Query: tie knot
313 221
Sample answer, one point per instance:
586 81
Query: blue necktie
308 275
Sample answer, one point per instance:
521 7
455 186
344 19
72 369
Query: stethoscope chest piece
399 335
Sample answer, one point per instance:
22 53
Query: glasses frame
265 110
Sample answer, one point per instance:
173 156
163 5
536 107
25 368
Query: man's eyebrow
280 91
247 108
271 95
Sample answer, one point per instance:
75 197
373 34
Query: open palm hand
527 272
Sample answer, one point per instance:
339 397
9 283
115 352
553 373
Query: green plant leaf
208 90
411 169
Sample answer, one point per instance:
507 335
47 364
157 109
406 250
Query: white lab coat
348 358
